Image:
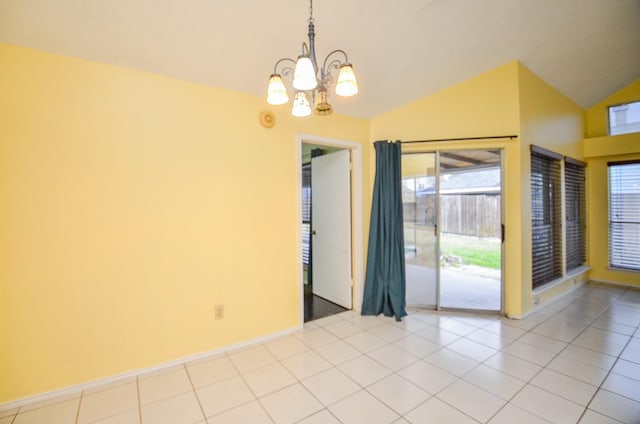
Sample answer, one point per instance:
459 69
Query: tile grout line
568 343
361 354
461 377
530 330
195 392
441 347
542 368
139 399
299 382
431 395
79 407
241 376
529 382
598 388
610 370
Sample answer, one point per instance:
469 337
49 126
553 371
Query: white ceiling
401 50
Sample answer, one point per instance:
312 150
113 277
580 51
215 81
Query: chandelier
310 81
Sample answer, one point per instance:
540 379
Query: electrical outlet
218 312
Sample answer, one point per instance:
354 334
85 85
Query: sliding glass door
420 236
471 230
453 233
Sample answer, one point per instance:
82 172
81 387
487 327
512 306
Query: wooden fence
475 215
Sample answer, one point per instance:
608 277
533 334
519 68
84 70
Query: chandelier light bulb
323 107
301 105
304 76
347 84
276 93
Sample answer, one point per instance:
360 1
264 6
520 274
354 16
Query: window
546 221
624 215
575 212
624 119
306 213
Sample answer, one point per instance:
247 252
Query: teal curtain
385 284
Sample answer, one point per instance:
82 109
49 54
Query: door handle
313 232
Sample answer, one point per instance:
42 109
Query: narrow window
575 212
624 118
306 213
546 212
624 215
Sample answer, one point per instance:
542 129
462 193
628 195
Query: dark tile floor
316 307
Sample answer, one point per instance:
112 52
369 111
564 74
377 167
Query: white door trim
357 229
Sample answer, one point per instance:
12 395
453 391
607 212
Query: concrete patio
459 288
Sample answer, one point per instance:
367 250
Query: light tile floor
574 361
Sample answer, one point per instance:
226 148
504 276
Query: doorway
330 238
452 209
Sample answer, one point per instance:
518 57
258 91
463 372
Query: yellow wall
550 120
508 100
597 115
598 220
547 118
486 105
598 150
131 204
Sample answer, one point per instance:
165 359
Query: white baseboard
539 307
615 283
76 390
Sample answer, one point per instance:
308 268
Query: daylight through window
624 215
624 119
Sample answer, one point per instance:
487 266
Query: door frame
357 236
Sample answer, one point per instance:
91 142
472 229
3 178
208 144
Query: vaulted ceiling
402 50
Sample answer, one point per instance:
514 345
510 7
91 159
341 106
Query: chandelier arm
286 70
336 63
305 49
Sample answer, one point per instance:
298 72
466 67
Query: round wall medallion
267 119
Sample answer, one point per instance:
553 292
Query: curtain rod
460 139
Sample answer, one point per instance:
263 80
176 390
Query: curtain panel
385 282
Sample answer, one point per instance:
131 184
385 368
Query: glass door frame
438 230
423 236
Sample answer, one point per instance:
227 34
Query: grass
471 250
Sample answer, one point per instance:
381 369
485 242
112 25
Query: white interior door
331 227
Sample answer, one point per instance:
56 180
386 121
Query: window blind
306 213
624 215
546 209
575 212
